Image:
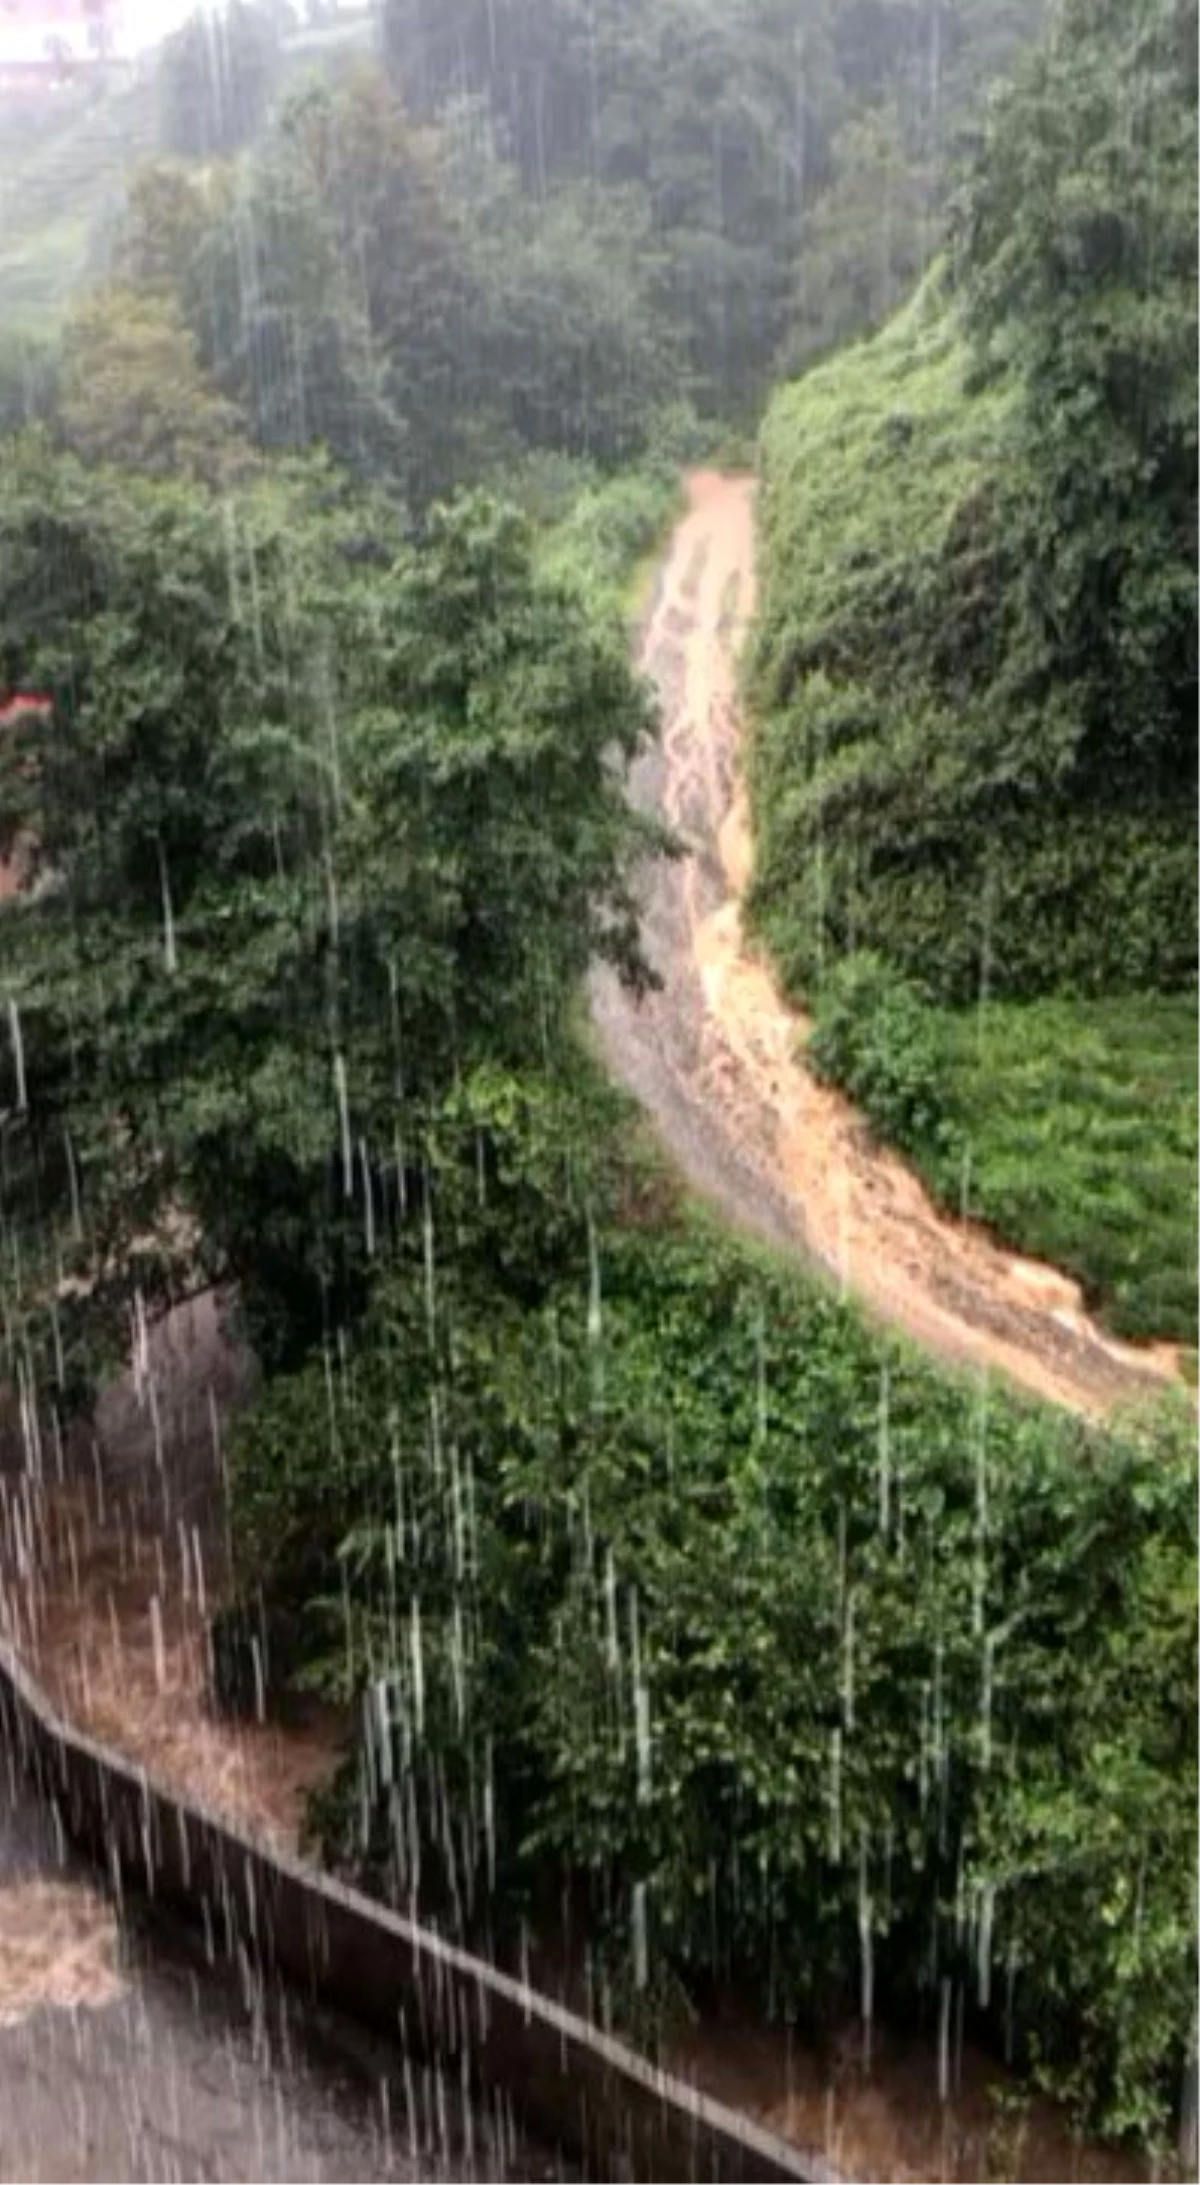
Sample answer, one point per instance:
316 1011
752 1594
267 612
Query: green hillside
62 193
870 466
57 195
973 761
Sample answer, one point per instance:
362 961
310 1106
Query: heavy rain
598 1093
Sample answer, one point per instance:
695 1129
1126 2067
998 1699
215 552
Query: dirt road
713 1057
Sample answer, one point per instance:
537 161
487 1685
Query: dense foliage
317 820
874 1034
977 662
525 225
738 125
975 676
1069 1127
1080 1130
811 1670
381 287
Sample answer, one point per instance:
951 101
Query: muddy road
127 2051
714 1056
126 2054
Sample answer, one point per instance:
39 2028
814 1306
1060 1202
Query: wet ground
125 2051
716 1056
125 2054
885 2119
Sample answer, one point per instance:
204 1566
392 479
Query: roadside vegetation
1069 1127
672 1592
973 765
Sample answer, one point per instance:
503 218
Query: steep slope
974 685
56 194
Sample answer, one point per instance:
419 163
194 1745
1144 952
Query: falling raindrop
18 1053
170 952
341 1088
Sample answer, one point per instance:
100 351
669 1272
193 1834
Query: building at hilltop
45 43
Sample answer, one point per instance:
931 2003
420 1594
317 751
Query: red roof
11 709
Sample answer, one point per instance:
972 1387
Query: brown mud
59 1946
113 1556
112 1562
887 2121
128 2051
715 1056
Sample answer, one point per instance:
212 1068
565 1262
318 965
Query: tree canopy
732 119
311 833
977 668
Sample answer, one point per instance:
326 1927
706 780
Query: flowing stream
715 1056
126 2051
126 2054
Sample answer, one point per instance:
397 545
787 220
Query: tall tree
133 392
217 76
319 822
1078 250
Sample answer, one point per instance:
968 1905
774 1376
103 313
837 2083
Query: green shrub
876 1036
919 772
1082 1118
608 532
688 1586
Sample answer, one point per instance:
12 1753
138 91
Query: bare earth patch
887 2121
59 1947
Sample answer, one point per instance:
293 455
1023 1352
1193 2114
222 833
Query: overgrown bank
974 762
800 1664
1069 1127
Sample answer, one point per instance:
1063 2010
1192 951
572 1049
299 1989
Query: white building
45 40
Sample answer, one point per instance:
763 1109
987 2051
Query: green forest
649 1572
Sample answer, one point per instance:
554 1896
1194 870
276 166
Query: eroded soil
715 1056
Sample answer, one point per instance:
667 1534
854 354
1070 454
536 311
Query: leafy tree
282 328
311 832
387 289
133 393
166 214
216 79
574 347
864 242
1078 253
398 241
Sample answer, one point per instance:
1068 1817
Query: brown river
126 2051
126 2054
716 1057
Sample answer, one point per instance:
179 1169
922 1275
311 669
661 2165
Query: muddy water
716 1056
125 2052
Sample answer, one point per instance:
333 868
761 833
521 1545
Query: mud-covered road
126 2054
127 2051
714 1060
